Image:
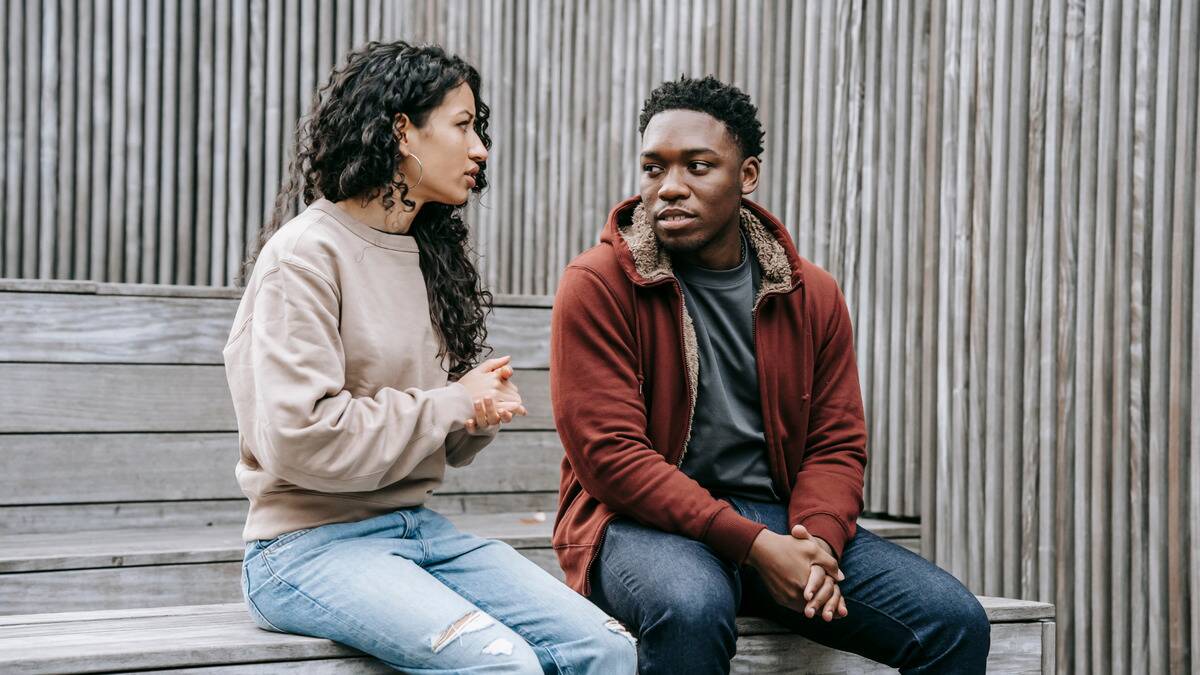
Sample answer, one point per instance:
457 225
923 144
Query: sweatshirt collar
394 242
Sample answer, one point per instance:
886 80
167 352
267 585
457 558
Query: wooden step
146 567
195 639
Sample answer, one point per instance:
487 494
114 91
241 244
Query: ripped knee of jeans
469 623
620 629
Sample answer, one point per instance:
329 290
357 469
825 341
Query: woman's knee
615 651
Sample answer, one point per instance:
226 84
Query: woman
351 366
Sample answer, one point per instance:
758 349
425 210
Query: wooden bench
120 514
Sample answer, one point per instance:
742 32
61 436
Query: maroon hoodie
623 376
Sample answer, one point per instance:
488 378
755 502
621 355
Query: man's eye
649 168
698 166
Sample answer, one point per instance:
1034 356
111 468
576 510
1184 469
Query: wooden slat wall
1005 190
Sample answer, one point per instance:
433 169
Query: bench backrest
114 411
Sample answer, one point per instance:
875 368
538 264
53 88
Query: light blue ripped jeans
411 590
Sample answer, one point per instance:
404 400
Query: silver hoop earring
421 167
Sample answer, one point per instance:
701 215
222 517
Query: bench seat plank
215 635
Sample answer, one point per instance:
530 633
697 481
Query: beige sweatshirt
343 407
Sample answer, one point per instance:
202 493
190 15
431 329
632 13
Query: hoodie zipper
766 423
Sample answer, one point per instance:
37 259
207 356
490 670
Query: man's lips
672 218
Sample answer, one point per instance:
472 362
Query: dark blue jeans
680 599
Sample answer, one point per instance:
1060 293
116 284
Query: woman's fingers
491 414
495 364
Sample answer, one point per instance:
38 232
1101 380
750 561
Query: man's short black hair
723 101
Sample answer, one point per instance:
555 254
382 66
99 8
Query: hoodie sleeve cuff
829 528
730 534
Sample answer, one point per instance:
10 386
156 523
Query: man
705 389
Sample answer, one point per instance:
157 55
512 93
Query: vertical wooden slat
4 12
1182 231
14 141
1159 338
169 151
898 228
1034 537
118 148
978 494
30 207
1193 562
864 275
957 314
134 105
239 120
152 142
256 137
917 401
222 120
47 157
192 101
206 114
102 94
80 179
932 491
1016 483
1102 371
1119 430
1141 222
65 190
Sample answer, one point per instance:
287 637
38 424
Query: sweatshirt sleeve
307 428
601 416
463 445
827 497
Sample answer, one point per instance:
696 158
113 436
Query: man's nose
672 187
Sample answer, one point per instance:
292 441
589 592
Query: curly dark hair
709 95
346 148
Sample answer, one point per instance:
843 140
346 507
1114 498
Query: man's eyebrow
688 152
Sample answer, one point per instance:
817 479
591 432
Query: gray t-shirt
728 450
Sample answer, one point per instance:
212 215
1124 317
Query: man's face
692 181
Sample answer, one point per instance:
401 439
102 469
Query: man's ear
401 127
750 169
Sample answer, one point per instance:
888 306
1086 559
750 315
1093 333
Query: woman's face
449 149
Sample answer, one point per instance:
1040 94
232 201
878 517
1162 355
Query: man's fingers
817 604
831 605
842 611
816 576
800 532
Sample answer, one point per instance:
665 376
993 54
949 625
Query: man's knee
964 632
702 611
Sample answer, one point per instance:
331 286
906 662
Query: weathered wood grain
69 398
84 468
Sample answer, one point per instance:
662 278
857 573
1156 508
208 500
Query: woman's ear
400 129
750 169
